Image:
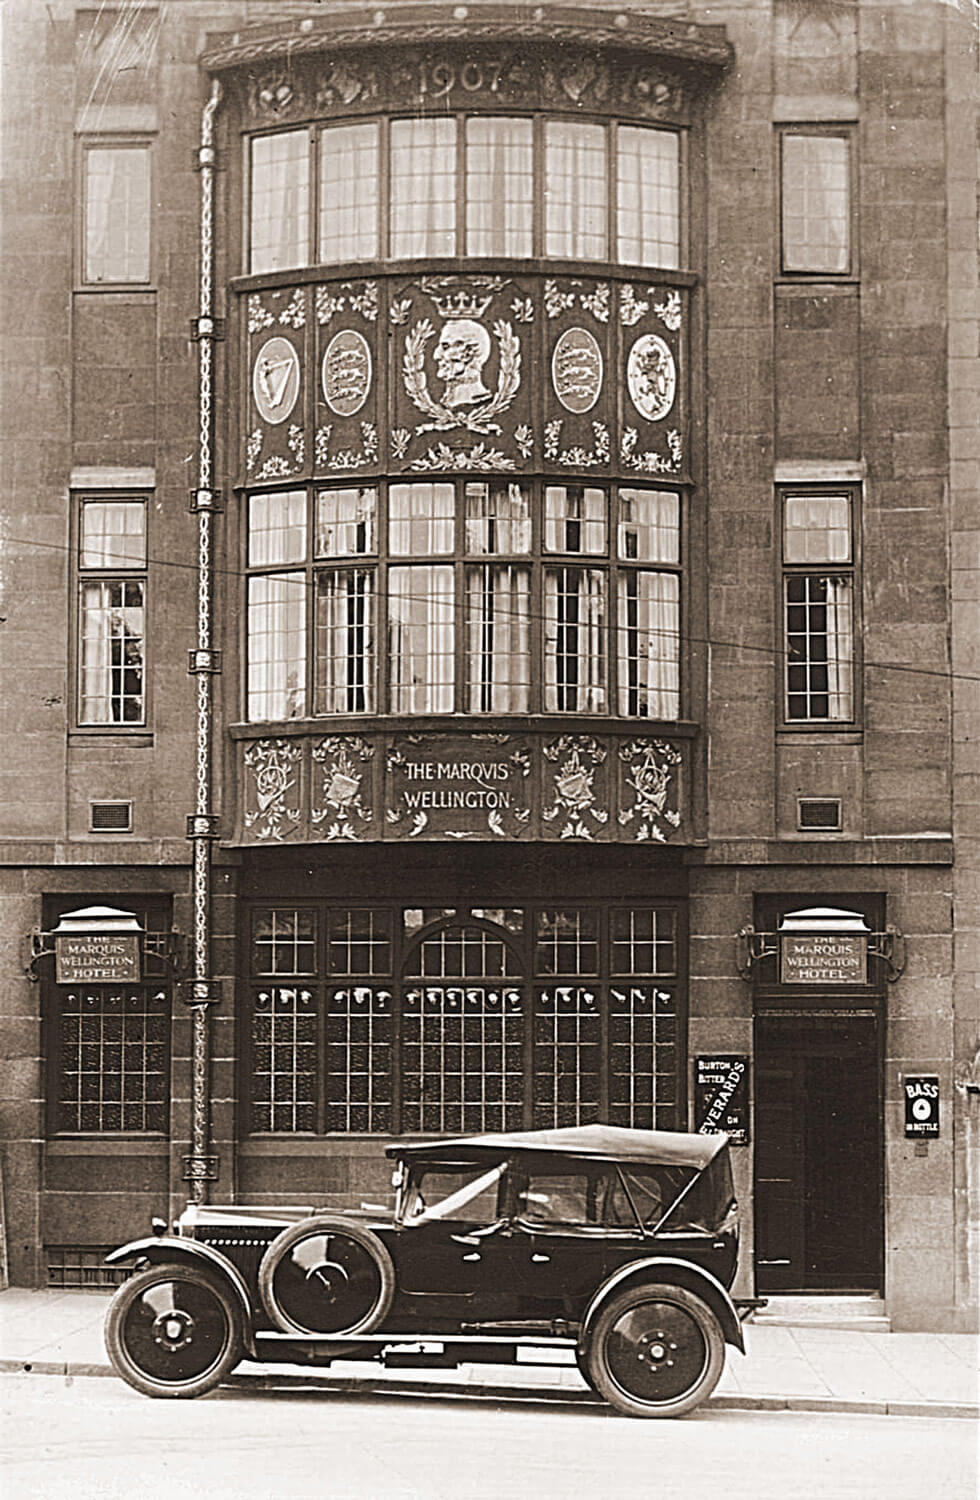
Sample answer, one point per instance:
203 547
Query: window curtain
840 648
421 639
574 647
345 642
117 214
499 187
423 187
280 201
575 192
649 645
497 609
277 647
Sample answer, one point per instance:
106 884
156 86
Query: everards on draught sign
823 958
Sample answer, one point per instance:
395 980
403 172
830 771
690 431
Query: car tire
656 1351
327 1275
174 1331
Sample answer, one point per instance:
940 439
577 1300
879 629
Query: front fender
169 1250
675 1273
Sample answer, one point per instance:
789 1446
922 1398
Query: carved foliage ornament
272 794
440 77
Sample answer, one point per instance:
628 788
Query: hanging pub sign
921 1106
721 1095
97 945
823 945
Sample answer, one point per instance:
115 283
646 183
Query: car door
561 1247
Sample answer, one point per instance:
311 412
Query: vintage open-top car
617 1245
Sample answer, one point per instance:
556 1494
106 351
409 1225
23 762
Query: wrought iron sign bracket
751 947
171 947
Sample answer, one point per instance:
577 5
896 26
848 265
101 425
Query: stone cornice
705 47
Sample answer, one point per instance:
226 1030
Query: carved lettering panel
444 75
573 787
457 787
461 374
276 445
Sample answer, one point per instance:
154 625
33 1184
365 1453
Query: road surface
95 1439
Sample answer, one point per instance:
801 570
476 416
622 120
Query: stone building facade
489 588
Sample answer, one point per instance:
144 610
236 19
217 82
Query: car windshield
444 1192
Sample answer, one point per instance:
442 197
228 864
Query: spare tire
327 1275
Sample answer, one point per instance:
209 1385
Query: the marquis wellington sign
823 946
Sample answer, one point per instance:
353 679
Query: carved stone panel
273 794
463 73
275 371
461 374
575 788
580 379
649 789
349 375
343 788
474 786
491 787
653 423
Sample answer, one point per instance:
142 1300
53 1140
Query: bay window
491 596
503 186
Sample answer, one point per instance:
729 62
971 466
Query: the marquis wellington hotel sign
458 786
823 946
97 945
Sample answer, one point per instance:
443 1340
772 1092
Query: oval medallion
345 373
576 370
652 377
275 379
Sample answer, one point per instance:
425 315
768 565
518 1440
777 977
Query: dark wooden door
818 1197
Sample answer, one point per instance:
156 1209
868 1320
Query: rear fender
167 1250
673 1273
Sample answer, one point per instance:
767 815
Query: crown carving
469 300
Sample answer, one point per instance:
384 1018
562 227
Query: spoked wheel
656 1351
173 1331
327 1276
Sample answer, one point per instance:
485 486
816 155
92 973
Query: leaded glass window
416 1020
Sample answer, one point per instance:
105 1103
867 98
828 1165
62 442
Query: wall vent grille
78 1267
818 814
110 817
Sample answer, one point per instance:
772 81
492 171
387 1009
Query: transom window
561 1017
475 185
818 604
464 596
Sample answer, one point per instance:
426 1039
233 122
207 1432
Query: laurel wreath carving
444 418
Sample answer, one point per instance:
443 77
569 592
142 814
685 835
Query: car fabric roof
673 1148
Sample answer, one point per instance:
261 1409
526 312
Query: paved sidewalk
799 1369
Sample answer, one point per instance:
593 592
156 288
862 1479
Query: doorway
818 1170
